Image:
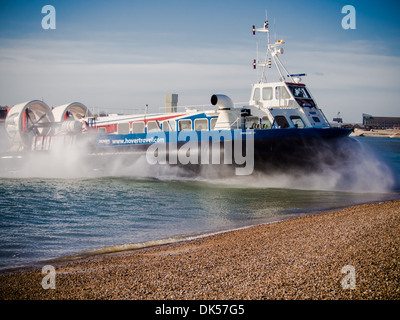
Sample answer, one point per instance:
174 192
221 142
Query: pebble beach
303 258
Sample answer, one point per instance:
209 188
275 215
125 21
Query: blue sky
122 55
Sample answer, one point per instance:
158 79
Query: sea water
48 213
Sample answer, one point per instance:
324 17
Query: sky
121 55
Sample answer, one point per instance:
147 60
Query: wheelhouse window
282 122
267 93
281 93
300 92
256 96
316 119
297 121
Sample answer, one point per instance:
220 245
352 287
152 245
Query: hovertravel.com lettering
137 140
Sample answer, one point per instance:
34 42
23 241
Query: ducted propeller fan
29 119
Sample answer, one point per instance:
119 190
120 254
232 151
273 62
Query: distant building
3 113
372 122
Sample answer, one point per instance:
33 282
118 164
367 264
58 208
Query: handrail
142 110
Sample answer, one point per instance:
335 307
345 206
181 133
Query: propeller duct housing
71 111
70 115
29 119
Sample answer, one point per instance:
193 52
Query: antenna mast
267 60
266 27
275 50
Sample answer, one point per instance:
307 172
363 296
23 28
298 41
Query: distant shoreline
376 133
299 258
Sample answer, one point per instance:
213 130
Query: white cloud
117 86
348 79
